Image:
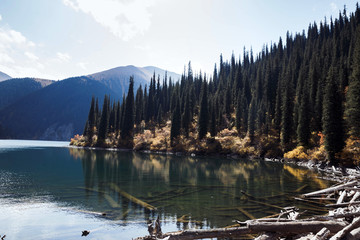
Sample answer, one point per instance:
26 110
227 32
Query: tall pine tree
333 118
128 125
204 112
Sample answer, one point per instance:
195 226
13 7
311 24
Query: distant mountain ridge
15 89
57 110
118 78
4 76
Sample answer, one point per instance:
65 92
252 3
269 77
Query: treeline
292 90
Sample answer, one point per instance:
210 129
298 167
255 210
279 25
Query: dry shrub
227 132
351 153
318 153
298 153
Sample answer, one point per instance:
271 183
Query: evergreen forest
298 98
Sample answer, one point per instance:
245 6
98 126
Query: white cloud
15 52
5 58
82 65
31 56
124 19
334 7
64 57
0 17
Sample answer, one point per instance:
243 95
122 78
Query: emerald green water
50 191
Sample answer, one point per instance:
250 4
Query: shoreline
337 174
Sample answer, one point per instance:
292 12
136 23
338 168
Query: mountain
4 76
55 112
16 88
117 79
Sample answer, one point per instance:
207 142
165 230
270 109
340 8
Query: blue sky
56 39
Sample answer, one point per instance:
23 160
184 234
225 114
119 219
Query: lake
51 191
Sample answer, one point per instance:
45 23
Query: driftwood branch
321 235
331 189
347 229
254 227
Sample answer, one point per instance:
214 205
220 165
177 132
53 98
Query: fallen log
341 234
354 234
356 195
321 235
132 198
331 189
297 227
111 201
246 213
343 204
342 196
253 227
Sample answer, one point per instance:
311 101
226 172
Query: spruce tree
303 129
212 127
238 112
128 125
286 119
104 122
353 94
186 116
91 121
204 112
175 122
139 106
251 120
333 118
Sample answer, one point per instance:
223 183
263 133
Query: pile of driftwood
341 222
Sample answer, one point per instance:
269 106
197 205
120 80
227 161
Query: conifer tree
286 119
185 118
353 94
175 122
238 112
333 117
251 120
303 129
204 113
139 106
118 118
212 127
91 121
104 122
127 130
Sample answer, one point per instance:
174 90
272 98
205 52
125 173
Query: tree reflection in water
196 191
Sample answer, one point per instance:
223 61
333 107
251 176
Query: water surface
50 191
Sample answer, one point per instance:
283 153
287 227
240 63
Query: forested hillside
299 97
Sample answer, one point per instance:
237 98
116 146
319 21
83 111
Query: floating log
265 204
246 213
301 188
174 196
132 198
309 201
331 189
111 201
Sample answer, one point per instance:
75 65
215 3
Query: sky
56 39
